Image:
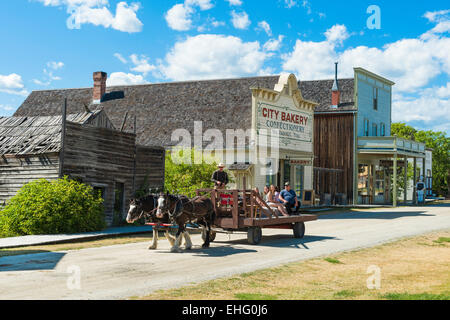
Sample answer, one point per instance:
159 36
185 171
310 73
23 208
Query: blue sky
49 44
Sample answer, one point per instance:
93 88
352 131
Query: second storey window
382 130
374 130
375 98
366 127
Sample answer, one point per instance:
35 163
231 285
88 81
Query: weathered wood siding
100 157
333 149
150 167
15 172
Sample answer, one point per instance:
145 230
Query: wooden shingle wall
150 167
100 157
15 172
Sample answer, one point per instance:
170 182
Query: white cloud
49 77
179 17
234 2
6 107
141 64
55 65
203 4
274 44
124 79
96 12
437 16
290 3
12 84
121 58
266 27
428 108
337 34
240 20
411 63
210 56
443 92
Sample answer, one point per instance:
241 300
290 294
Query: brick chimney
99 86
335 92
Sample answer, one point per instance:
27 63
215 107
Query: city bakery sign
294 126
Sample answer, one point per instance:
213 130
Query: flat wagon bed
245 210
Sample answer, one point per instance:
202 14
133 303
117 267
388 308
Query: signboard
301 162
294 126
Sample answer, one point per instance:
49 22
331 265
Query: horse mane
147 197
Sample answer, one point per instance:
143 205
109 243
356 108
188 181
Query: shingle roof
36 134
164 107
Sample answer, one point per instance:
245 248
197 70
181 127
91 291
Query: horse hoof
151 248
175 250
188 248
205 246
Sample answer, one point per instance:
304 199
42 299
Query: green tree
185 177
440 143
59 206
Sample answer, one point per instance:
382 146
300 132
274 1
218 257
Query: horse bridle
151 212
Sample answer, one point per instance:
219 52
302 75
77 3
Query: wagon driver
220 177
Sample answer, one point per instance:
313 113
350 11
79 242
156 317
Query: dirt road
122 271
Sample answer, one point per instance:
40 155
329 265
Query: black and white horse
146 207
181 211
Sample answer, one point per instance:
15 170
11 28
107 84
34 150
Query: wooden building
87 148
356 158
349 137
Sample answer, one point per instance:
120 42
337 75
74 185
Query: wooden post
415 181
135 155
405 196
63 138
235 210
394 192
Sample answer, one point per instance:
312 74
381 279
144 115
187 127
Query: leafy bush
59 206
186 176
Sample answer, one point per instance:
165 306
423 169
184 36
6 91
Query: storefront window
379 184
363 183
287 172
299 174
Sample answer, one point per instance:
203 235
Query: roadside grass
143 237
409 270
417 296
442 240
332 260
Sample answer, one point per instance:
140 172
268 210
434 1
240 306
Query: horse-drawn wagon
245 210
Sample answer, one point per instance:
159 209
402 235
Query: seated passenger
289 199
265 209
271 201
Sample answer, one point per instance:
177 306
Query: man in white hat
220 177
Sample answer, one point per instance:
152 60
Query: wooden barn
86 147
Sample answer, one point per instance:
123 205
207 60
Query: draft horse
146 207
181 210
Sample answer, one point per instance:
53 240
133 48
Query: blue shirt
289 196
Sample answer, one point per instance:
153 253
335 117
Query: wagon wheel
212 235
299 229
254 235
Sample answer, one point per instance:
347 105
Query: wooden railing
239 203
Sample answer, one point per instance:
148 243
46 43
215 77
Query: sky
52 44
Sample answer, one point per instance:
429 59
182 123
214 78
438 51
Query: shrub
185 177
59 206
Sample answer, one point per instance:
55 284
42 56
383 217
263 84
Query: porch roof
391 146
